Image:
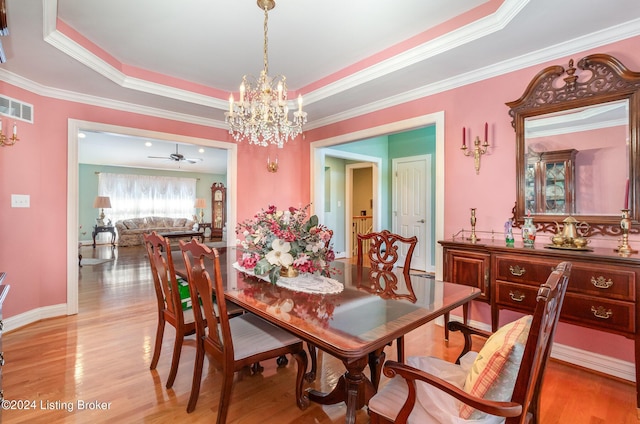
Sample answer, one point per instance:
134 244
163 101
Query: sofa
130 230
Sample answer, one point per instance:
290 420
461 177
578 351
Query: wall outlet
20 201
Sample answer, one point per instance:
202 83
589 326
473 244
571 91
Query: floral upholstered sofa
130 231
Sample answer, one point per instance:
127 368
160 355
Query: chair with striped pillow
499 384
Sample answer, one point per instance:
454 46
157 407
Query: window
134 196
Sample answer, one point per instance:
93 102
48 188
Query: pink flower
249 260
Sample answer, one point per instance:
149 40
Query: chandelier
261 115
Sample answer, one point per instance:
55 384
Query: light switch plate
20 201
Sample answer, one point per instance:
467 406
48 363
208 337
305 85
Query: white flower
286 217
315 247
280 254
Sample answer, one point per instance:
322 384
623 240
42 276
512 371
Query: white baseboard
582 358
34 315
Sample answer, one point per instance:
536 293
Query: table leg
94 239
353 387
376 360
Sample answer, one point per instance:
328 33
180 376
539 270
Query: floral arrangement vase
528 232
284 243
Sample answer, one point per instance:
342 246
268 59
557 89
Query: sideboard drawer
589 311
517 269
599 313
603 281
520 297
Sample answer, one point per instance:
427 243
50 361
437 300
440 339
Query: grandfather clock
218 209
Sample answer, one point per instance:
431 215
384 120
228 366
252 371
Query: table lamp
102 202
200 204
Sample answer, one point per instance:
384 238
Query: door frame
73 128
375 193
316 162
317 202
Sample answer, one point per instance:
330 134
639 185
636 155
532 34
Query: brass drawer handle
516 296
601 282
516 270
600 312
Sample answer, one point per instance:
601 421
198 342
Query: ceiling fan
177 157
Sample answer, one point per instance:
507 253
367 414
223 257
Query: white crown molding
66 45
490 23
73 96
473 31
567 48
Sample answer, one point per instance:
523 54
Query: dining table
363 311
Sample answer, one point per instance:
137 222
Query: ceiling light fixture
262 114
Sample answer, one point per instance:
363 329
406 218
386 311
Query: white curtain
134 196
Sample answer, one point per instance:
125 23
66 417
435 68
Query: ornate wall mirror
577 140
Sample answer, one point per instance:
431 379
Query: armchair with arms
502 383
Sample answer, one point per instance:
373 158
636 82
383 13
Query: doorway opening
74 127
322 152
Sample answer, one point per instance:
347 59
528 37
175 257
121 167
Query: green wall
376 147
417 142
88 190
334 212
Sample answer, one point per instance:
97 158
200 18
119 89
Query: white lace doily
306 283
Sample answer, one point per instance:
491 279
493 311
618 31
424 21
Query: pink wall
37 166
493 191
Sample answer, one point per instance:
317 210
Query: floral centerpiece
277 241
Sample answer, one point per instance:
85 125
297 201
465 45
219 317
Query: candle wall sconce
272 166
479 147
8 141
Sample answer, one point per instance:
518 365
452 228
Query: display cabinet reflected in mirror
577 135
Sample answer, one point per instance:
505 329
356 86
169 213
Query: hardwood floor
94 367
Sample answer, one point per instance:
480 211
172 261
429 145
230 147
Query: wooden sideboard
603 290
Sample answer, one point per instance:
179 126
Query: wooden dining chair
169 301
503 380
233 342
384 250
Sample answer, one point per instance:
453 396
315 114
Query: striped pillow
494 372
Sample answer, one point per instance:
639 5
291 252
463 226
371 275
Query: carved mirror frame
601 78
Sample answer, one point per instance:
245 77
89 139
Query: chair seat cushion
495 370
251 335
432 405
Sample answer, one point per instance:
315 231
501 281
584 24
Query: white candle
279 92
15 129
300 103
0 126
231 104
242 93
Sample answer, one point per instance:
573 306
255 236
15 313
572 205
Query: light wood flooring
68 368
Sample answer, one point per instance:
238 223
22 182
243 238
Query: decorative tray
580 249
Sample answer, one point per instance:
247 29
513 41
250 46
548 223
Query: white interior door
412 194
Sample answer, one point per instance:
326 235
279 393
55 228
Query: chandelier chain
266 42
